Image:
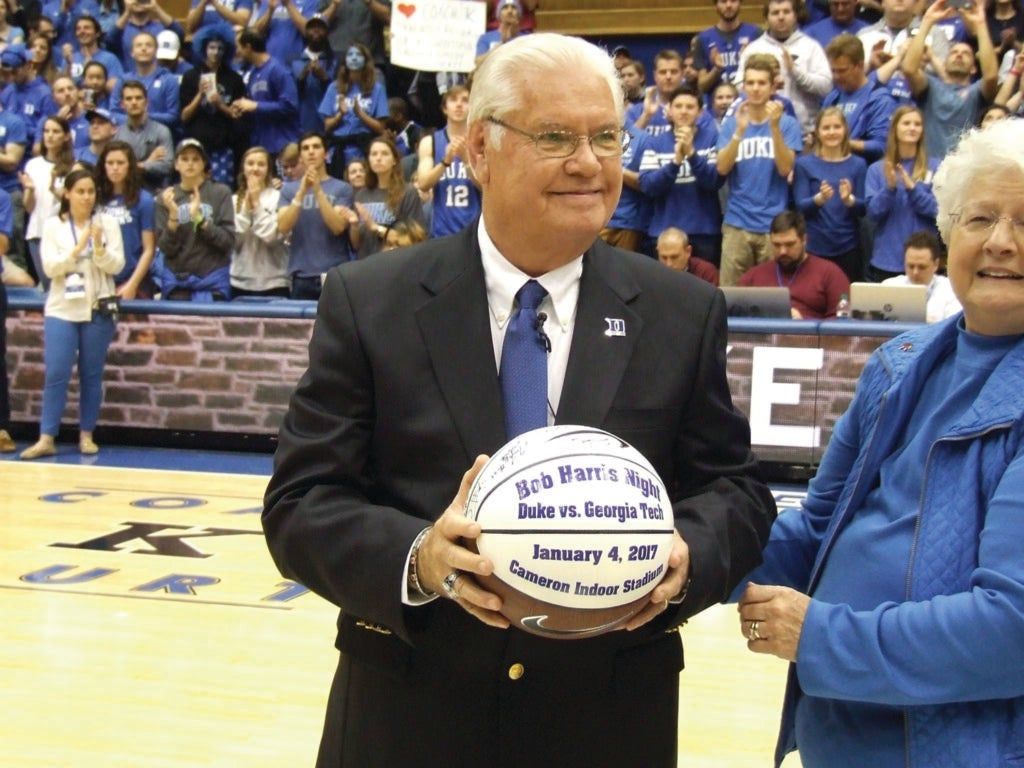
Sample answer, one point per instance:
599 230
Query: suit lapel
456 333
599 356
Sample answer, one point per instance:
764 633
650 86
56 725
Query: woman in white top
259 264
42 182
81 252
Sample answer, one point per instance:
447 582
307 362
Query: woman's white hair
498 82
980 153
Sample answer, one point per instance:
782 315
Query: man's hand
194 205
651 101
742 118
779 614
442 553
684 143
243 106
774 110
456 148
973 16
167 198
670 587
787 61
934 13
159 153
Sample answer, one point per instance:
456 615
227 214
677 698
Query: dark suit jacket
401 395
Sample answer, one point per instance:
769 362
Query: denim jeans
64 341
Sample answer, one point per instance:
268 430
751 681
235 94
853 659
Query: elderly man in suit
407 385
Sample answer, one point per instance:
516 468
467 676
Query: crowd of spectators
836 110
273 139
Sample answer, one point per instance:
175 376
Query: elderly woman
898 590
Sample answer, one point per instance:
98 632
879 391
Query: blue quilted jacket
951 655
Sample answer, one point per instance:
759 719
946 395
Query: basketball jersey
456 198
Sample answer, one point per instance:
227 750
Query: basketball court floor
146 627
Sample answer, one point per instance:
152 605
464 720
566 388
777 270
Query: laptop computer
899 303
757 302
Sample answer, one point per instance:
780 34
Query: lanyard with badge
74 282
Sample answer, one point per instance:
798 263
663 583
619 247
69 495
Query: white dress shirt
503 281
942 302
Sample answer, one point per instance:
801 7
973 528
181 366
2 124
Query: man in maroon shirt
675 251
815 284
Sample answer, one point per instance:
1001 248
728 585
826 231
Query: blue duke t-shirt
756 190
314 249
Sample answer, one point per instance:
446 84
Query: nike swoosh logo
537 623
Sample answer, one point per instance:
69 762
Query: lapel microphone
538 326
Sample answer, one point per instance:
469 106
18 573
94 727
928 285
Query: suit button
516 671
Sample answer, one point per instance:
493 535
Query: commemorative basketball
578 526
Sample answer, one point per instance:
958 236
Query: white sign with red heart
437 35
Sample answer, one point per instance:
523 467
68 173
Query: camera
108 306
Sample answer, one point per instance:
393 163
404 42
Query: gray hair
498 82
980 153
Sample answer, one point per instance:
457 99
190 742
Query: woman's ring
752 633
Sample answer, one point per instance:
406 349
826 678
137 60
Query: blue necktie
524 365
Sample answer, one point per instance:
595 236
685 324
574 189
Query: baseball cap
14 56
101 114
167 45
192 144
503 3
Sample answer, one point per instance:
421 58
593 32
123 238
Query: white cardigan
55 251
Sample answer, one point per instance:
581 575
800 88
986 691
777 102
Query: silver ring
448 585
752 633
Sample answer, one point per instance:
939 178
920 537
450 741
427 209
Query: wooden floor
146 627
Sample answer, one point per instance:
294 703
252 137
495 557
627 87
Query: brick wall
175 372
234 375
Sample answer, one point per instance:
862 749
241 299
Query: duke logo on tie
524 365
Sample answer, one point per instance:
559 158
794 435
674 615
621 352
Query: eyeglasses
611 142
979 223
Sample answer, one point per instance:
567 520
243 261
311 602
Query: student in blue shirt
272 100
354 108
757 150
627 228
679 175
828 188
866 103
88 35
716 50
162 87
283 23
208 12
316 213
952 102
899 193
314 69
842 19
121 196
27 94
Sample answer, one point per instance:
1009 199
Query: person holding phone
81 252
952 100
